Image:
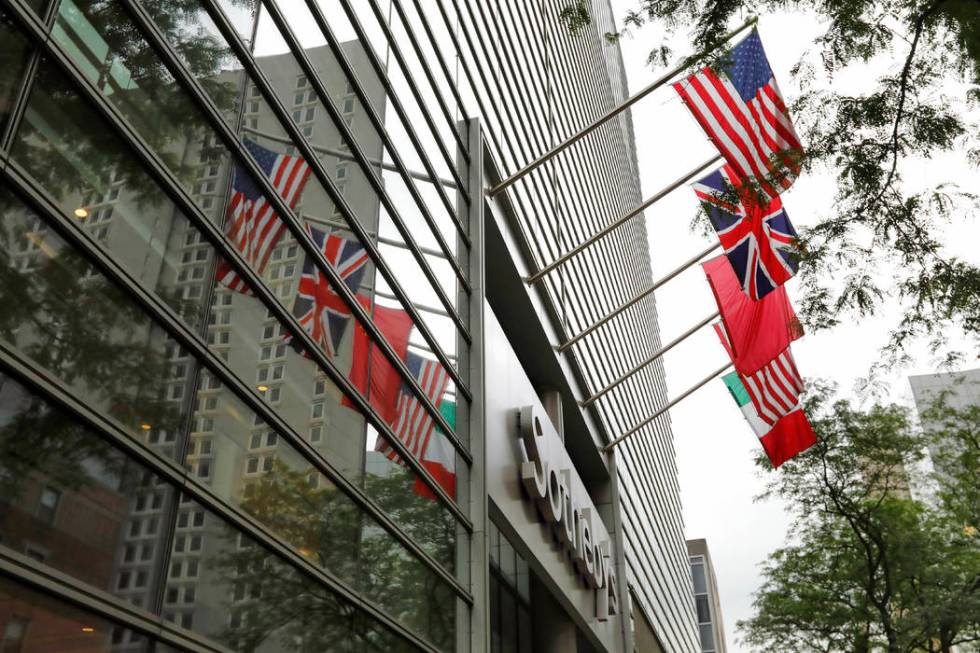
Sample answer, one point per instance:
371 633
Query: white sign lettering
575 521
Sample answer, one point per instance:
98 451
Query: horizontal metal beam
598 122
670 405
657 354
620 221
670 275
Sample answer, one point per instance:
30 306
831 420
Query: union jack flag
760 242
251 224
320 310
413 425
743 113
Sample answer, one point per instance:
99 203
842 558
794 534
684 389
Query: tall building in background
958 390
271 377
706 598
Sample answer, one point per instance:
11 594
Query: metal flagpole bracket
670 275
663 410
660 352
626 217
630 101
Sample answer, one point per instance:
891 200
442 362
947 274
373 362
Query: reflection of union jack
413 424
252 225
759 241
320 310
743 113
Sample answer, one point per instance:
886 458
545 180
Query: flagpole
632 213
663 410
660 352
630 101
691 261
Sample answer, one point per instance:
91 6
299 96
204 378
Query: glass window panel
150 237
704 611
42 447
707 637
14 52
96 525
697 572
31 621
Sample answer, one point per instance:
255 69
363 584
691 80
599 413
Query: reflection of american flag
413 424
743 113
252 225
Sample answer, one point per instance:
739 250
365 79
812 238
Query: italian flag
790 435
439 457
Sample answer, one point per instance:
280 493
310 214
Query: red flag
395 325
758 331
770 402
789 436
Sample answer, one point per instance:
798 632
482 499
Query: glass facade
237 318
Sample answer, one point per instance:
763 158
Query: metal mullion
486 86
515 74
248 61
58 585
179 478
382 74
590 197
164 316
310 71
442 61
494 51
286 214
169 184
450 120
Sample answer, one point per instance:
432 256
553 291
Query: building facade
707 600
271 377
955 390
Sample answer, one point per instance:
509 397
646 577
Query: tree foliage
881 241
870 568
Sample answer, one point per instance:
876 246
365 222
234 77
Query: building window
48 504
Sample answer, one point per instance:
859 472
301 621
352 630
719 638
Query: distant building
706 599
959 390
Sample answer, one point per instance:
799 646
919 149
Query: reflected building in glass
269 371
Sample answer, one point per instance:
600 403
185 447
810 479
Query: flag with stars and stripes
742 111
760 241
251 223
413 425
319 308
770 401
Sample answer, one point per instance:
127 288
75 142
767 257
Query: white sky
715 447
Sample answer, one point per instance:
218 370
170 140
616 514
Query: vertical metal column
475 626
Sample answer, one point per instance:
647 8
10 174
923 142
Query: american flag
743 113
413 425
759 241
320 310
251 224
774 388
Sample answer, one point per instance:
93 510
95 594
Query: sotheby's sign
548 480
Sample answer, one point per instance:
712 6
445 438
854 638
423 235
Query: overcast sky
715 447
